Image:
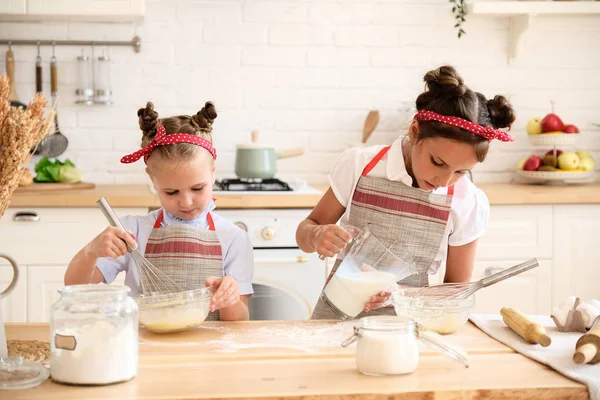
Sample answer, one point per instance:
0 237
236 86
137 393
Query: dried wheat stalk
20 130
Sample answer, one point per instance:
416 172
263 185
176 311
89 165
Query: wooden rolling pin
587 349
523 326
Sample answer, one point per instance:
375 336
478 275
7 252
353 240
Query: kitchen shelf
522 12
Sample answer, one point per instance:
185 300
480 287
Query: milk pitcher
369 266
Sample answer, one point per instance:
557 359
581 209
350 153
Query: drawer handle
26 216
492 270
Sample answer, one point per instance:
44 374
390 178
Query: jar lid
16 373
381 323
436 342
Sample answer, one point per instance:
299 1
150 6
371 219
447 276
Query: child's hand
110 243
227 292
379 300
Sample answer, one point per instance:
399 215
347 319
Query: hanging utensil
370 123
10 71
55 144
38 71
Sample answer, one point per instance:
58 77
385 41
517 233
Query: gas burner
239 185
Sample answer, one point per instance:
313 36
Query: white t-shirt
470 208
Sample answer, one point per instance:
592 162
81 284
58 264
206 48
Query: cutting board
44 187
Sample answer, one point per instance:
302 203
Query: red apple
552 123
532 163
551 152
570 129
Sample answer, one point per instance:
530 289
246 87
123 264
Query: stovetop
239 185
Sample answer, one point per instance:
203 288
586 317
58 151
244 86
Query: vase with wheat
20 131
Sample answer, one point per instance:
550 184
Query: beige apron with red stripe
394 210
186 254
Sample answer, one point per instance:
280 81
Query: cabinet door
13 305
577 252
55 234
99 8
517 232
13 7
43 283
530 291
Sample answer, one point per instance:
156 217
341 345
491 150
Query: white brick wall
306 72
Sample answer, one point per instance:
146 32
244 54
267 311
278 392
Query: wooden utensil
523 326
370 123
587 348
10 71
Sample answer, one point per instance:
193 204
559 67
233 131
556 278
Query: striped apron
186 254
394 210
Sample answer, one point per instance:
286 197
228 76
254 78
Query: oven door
287 284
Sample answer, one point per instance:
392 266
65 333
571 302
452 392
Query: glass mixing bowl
442 316
174 311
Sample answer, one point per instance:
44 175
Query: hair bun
148 120
204 118
445 82
501 112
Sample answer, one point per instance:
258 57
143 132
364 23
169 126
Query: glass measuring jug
370 266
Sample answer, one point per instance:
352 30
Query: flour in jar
349 291
97 352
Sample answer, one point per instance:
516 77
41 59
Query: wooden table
250 361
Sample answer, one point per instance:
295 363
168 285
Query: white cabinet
43 282
517 233
80 10
123 8
14 306
577 256
530 291
13 7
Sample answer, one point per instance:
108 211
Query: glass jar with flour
389 345
94 335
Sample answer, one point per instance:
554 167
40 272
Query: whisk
152 280
458 291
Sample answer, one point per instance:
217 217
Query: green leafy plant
459 9
56 171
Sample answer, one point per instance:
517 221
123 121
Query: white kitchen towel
558 356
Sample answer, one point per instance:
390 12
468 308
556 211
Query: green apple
534 126
568 161
583 154
586 164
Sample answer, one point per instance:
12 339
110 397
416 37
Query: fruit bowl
547 176
553 139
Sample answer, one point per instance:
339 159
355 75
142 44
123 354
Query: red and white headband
488 132
162 139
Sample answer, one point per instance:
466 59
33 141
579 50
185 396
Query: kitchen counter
141 196
303 359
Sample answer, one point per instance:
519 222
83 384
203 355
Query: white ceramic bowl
442 316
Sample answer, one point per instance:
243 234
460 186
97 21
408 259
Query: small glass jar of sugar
94 335
389 345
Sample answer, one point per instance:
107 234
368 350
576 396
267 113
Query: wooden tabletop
301 360
141 196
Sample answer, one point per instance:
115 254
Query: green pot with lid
259 161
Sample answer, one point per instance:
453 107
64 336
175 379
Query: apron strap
209 218
451 190
375 160
211 223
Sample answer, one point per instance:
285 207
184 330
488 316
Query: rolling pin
587 349
523 326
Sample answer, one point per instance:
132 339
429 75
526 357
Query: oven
287 282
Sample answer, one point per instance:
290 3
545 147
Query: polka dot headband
487 132
162 139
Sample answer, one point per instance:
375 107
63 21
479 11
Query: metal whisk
458 291
152 280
